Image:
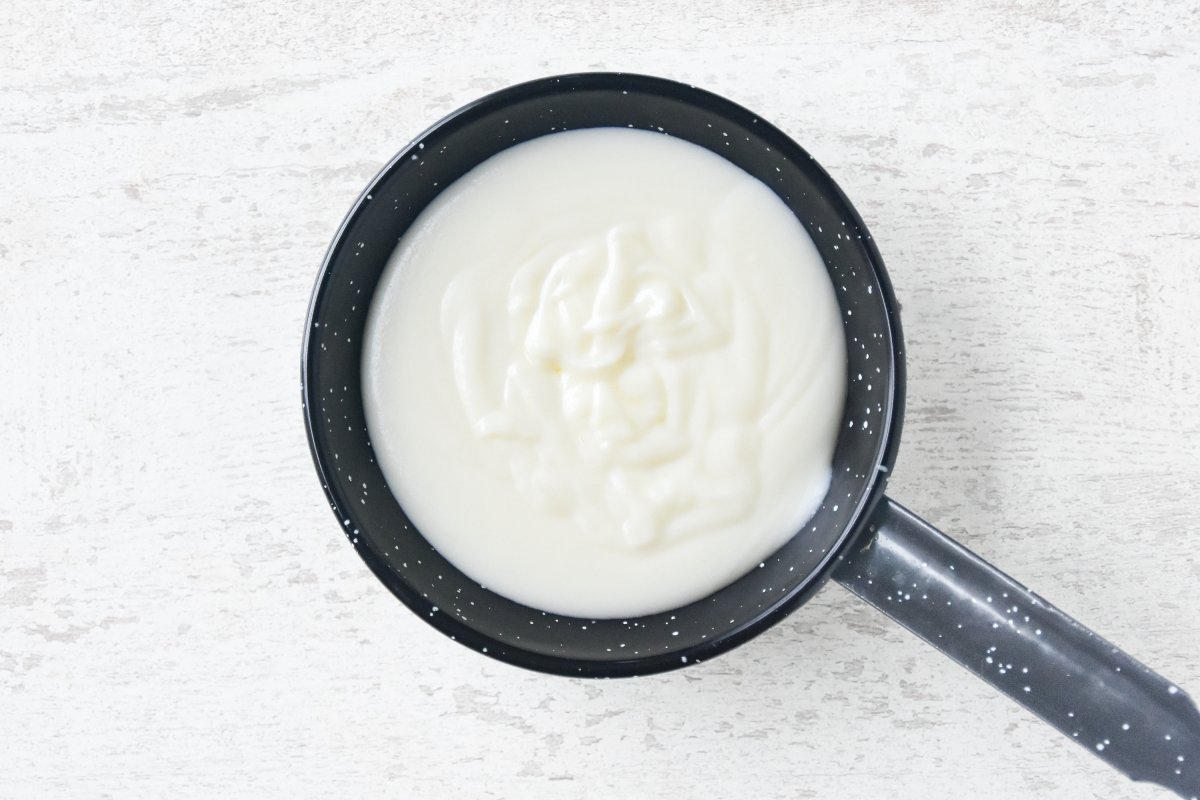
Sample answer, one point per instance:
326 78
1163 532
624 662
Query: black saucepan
1127 715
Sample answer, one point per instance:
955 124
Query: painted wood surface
179 614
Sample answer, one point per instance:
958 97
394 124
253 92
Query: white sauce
604 373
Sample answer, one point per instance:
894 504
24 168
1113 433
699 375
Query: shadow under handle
1094 693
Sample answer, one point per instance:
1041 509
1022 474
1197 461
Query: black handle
1120 710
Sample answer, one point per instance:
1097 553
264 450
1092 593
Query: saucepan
1091 691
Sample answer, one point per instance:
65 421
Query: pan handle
1094 693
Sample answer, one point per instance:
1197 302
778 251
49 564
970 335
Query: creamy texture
604 373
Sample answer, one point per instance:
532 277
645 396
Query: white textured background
179 613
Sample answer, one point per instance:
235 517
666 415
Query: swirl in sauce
608 342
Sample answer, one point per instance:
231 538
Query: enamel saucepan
1127 715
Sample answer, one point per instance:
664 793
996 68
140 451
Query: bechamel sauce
604 373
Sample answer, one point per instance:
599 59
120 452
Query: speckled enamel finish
1132 718
1091 691
378 527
